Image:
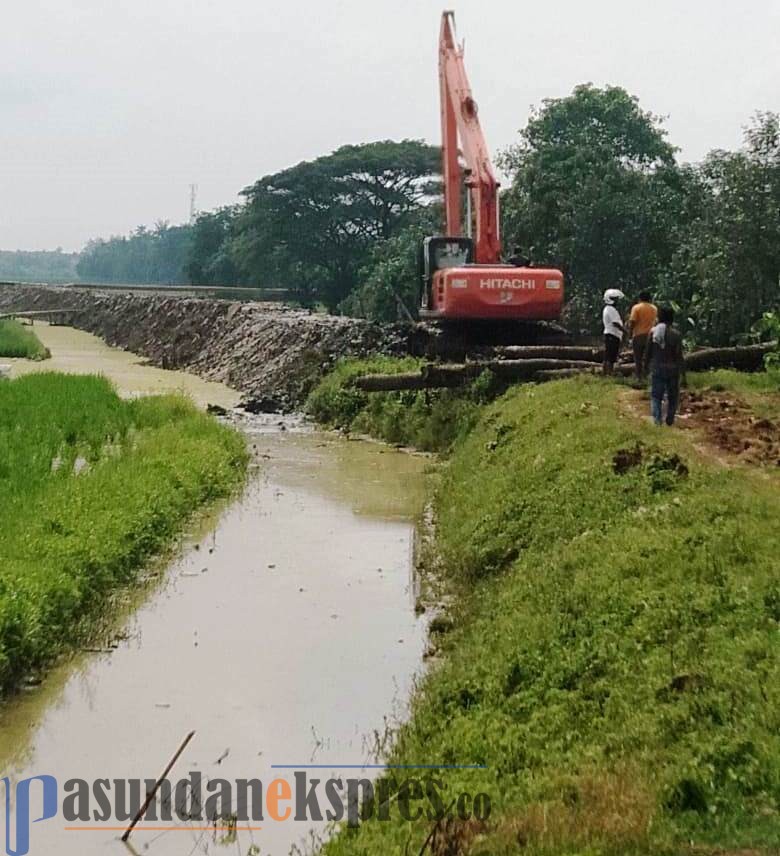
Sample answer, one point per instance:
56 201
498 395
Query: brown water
284 633
77 352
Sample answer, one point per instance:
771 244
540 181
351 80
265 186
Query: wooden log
519 369
447 375
390 382
746 358
551 352
557 374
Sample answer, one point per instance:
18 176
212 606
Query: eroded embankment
612 660
272 354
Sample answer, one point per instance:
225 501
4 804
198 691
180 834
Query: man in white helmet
613 328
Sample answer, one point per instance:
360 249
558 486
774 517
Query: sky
111 109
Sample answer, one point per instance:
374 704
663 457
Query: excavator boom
460 118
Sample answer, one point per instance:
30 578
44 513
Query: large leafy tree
726 271
310 227
595 190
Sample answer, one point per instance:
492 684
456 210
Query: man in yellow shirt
640 322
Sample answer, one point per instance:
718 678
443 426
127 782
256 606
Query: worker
613 328
518 258
641 321
667 364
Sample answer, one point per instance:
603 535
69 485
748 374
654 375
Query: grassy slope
16 340
615 657
66 537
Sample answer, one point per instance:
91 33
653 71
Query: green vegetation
310 227
16 340
430 420
596 189
210 260
90 487
390 276
158 255
613 655
38 265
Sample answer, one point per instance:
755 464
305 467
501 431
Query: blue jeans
668 384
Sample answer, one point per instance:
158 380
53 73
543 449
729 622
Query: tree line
157 255
38 265
595 189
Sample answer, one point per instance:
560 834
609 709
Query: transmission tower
193 202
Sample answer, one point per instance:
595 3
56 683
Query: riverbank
91 486
612 656
271 353
74 351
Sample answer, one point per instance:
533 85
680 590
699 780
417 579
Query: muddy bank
270 353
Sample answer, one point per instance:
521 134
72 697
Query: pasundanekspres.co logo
213 804
20 806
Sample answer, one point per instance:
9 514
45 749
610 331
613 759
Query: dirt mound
662 471
730 424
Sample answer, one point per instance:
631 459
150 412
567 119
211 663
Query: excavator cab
440 252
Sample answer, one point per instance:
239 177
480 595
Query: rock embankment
271 353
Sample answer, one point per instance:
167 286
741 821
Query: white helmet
613 294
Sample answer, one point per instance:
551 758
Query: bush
431 420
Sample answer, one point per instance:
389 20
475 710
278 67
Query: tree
726 271
210 260
389 281
595 190
310 227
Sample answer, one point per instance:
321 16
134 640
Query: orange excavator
463 276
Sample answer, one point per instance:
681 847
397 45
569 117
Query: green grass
16 340
430 420
90 487
615 653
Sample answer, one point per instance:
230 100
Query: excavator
463 276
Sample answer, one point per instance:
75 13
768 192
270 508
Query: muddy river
283 632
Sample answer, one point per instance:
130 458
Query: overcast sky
110 109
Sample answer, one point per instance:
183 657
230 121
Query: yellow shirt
643 317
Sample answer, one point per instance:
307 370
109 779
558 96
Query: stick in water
151 795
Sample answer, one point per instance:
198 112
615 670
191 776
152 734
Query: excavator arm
459 119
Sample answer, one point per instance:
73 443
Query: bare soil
730 424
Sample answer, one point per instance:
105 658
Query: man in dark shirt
665 357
